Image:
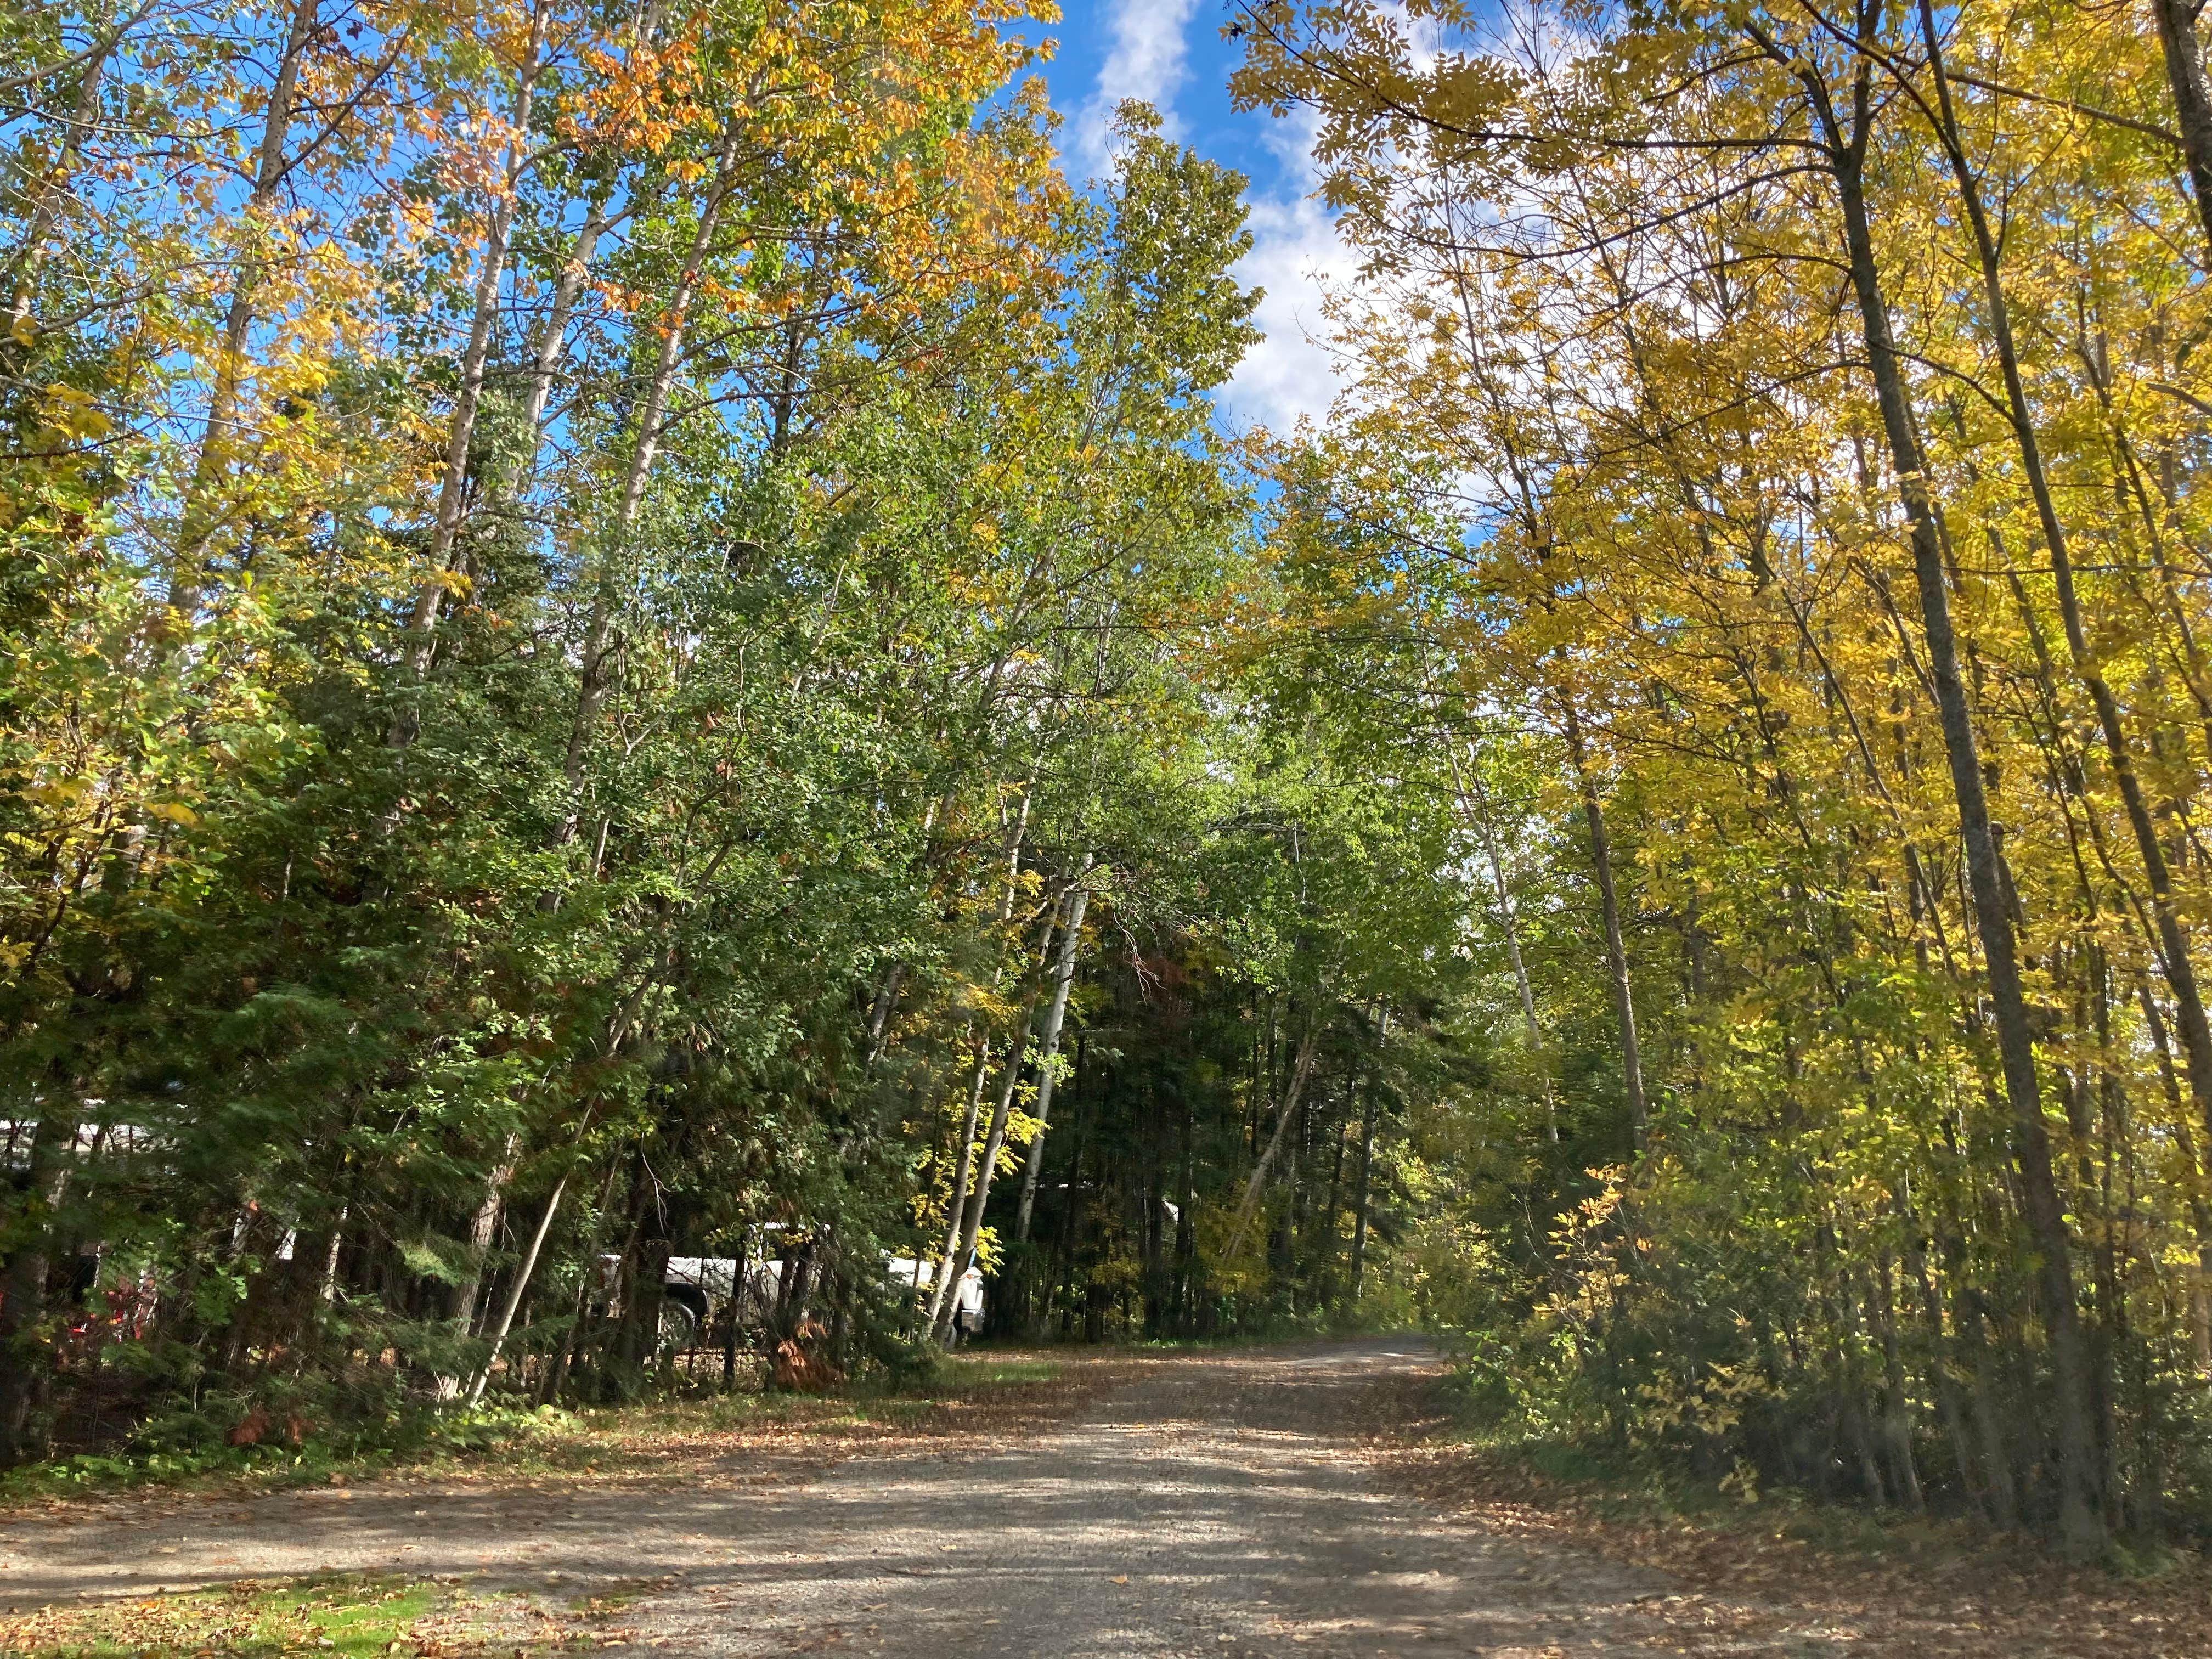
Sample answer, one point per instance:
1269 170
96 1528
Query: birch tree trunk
944 1298
881 1007
1063 976
482 1226
523 1270
1301 1069
452 486
1475 800
553 339
956 1206
23 267
592 692
196 527
987 1167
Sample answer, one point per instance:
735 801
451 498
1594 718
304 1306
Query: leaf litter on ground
1774 1575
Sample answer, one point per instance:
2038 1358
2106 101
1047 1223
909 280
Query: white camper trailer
699 1289
967 1296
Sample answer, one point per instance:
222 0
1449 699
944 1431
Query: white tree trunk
482 1226
1063 976
592 694
51 188
196 525
956 1205
454 485
986 1166
1301 1069
522 1272
1474 801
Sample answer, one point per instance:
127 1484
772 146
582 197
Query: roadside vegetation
648 1438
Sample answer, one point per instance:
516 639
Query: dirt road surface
1222 1503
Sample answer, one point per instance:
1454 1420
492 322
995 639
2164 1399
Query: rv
920 1277
697 1290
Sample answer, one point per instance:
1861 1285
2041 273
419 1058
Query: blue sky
1170 53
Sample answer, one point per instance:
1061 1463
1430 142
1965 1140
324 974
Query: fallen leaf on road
1121 1579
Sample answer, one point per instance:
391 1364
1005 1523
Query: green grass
611 1599
328 1615
348 1616
368 1617
986 1371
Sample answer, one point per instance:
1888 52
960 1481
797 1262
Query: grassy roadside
1012 1384
339 1616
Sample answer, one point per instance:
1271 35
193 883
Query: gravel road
1219 1504
1223 1505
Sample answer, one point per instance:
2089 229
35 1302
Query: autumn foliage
1775 449
629 635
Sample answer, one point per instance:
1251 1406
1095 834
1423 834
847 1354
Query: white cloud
1294 248
1291 372
1148 62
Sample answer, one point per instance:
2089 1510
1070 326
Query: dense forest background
629 632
